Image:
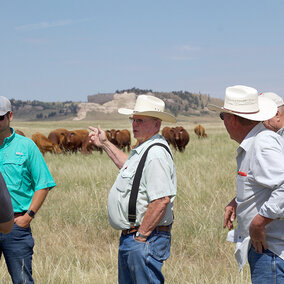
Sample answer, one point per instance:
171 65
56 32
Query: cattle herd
62 140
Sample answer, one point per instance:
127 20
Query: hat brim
267 109
157 114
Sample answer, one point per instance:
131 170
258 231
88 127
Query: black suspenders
136 183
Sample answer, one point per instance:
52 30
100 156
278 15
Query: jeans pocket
159 246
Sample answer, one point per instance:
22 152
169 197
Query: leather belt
19 214
135 229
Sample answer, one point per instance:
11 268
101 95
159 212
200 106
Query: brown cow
44 144
200 131
123 139
19 132
181 137
57 136
169 135
88 147
120 138
74 139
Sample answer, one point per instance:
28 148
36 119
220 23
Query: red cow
74 139
44 144
57 136
169 135
123 139
200 131
181 138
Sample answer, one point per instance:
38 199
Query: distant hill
177 102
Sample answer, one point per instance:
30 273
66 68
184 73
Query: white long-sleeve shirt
260 190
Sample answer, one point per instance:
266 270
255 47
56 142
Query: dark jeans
17 247
266 267
141 262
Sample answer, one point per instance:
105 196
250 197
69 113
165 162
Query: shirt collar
142 146
246 143
8 140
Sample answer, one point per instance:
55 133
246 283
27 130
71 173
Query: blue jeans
141 262
17 247
265 267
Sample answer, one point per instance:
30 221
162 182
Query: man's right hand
230 214
97 136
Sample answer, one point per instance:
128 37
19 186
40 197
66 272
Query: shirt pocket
125 180
14 171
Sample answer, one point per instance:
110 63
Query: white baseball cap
244 101
5 105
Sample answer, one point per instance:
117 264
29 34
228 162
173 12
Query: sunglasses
3 116
221 115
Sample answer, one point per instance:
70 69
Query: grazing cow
19 132
123 139
88 147
200 131
111 136
44 144
169 135
74 139
181 137
57 136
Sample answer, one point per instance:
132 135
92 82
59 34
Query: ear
11 116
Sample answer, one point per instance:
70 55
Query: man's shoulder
269 138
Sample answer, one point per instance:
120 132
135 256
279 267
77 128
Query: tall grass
75 244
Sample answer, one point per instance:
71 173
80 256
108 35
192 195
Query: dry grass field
74 242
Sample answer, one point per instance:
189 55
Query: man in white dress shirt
259 203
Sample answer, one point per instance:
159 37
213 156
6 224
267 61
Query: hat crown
241 99
274 97
5 105
148 103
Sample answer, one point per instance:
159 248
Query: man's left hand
257 232
23 221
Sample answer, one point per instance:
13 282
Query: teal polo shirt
24 170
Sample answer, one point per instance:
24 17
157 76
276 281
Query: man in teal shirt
28 181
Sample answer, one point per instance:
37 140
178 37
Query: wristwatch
31 213
138 234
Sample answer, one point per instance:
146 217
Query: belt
19 214
135 229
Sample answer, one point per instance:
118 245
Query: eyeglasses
3 116
139 120
221 115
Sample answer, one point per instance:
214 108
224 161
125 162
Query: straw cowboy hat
244 101
277 99
149 106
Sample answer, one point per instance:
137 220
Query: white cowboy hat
5 105
277 99
149 106
244 101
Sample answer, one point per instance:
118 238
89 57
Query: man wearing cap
145 239
259 202
276 123
28 181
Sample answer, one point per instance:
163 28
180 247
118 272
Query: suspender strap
136 183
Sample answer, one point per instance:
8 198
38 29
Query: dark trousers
17 248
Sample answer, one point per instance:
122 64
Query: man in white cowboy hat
145 239
276 123
259 203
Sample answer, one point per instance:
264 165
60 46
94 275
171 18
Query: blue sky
66 49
